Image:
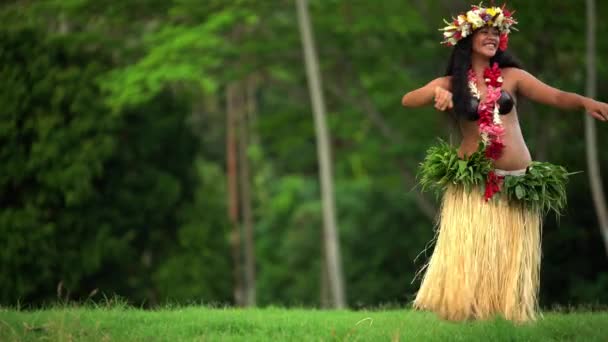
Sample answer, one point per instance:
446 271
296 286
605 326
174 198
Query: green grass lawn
273 324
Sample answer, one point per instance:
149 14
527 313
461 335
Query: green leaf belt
542 187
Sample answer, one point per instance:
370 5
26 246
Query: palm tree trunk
332 246
244 106
233 204
595 180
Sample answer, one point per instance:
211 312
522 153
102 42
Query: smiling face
485 41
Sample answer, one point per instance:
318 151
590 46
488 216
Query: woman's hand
443 99
597 109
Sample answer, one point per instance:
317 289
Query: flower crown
477 17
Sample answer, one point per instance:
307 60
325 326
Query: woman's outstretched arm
437 89
532 88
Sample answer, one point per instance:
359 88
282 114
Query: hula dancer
487 254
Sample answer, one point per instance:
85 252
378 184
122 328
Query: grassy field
121 323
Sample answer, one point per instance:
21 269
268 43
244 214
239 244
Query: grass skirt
487 254
486 260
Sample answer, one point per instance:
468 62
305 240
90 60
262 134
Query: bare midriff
515 155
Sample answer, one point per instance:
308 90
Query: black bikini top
505 105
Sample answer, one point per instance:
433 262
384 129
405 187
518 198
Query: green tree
56 139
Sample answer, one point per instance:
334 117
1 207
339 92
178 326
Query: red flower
493 184
494 149
504 42
484 121
493 75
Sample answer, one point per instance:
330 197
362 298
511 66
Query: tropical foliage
113 147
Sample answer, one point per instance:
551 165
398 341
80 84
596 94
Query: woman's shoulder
513 72
516 74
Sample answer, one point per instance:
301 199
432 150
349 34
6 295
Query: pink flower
492 94
484 120
472 76
485 125
496 130
482 108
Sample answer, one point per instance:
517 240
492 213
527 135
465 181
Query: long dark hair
458 67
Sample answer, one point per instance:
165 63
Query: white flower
461 19
499 20
475 20
485 138
474 90
497 120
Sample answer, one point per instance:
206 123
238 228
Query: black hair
458 67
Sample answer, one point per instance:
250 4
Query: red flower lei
490 125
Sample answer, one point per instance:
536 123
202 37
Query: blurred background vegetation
116 150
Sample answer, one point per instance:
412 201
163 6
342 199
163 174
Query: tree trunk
595 180
253 82
233 205
324 286
247 219
332 246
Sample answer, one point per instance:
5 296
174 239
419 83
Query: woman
487 253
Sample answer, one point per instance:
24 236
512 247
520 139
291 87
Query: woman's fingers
440 104
444 105
444 102
443 99
598 116
604 112
598 110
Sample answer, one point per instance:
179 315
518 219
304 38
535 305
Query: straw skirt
486 260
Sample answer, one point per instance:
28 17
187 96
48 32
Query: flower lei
490 124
